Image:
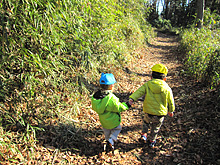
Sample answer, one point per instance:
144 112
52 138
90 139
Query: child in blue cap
109 109
158 102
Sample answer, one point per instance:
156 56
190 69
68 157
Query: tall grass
203 50
50 52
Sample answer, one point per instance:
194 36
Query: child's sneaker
152 143
143 138
108 147
111 147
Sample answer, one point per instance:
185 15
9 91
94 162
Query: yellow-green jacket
158 97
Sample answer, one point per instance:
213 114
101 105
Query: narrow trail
190 137
182 139
163 49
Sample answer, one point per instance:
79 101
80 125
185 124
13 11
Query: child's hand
131 101
170 114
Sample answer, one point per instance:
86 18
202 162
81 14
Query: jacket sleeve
171 104
116 106
138 93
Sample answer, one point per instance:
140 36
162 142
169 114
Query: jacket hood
156 85
99 104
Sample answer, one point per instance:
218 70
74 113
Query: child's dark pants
152 123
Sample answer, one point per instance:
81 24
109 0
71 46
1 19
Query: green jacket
158 97
108 108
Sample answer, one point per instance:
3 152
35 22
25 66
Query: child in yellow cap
157 104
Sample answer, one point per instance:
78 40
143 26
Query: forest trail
188 138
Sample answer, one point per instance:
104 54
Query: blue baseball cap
107 79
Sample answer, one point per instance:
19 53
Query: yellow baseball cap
160 68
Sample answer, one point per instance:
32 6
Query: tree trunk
166 9
200 12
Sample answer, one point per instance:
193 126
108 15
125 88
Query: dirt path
190 137
164 49
128 150
183 139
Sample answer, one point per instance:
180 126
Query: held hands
131 101
170 114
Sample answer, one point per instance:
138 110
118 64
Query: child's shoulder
166 86
101 94
113 95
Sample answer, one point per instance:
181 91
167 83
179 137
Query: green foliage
211 20
51 50
211 75
163 24
202 47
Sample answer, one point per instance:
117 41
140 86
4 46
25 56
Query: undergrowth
203 50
